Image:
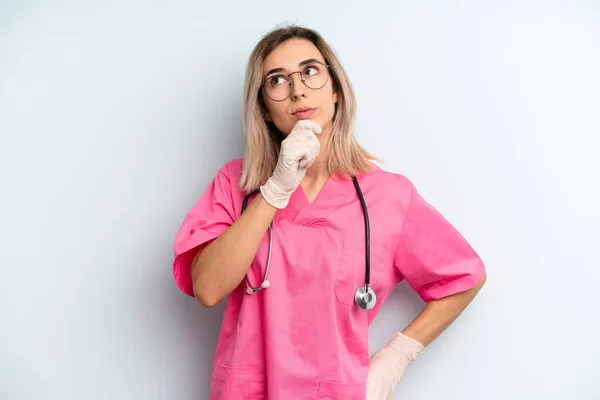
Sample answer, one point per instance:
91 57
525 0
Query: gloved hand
388 366
298 152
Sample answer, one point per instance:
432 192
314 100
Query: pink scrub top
304 337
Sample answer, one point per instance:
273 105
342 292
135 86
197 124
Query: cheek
328 105
278 112
280 117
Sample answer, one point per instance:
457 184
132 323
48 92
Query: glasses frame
291 81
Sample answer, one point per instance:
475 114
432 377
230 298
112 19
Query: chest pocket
351 272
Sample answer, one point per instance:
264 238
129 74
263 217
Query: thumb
311 125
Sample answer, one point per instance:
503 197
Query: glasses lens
277 87
314 76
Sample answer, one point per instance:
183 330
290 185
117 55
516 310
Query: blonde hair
263 140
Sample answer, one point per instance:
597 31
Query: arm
389 364
440 265
232 252
221 265
439 314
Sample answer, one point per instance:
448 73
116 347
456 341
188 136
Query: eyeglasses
279 87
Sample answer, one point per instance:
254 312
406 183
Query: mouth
304 112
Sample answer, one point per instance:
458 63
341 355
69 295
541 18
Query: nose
297 86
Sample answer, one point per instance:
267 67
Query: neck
316 177
318 171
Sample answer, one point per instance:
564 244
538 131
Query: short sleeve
212 214
433 257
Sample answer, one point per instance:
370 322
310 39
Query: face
303 101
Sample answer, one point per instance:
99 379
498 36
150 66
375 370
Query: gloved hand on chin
389 364
298 152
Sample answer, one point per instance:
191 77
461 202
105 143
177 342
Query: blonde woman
306 237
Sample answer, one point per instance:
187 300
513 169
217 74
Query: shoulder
224 186
232 170
392 185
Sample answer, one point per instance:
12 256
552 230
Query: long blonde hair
263 140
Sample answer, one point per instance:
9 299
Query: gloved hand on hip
298 152
388 366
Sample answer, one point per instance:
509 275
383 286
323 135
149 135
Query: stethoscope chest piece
365 298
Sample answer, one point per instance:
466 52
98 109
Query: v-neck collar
299 210
319 193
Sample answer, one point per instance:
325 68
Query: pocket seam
249 373
334 388
378 253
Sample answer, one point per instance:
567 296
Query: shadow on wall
401 307
213 137
198 330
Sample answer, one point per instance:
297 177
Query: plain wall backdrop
114 117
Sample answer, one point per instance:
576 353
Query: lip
304 112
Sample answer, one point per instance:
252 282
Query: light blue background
114 116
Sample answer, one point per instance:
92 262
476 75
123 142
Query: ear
335 97
267 117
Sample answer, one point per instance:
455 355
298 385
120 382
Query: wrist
389 364
273 194
406 346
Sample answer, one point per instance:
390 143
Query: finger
310 125
304 161
315 151
317 145
311 156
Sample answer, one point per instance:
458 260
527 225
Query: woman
299 329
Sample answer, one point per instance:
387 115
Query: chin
319 120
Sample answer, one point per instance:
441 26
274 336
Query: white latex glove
388 366
298 152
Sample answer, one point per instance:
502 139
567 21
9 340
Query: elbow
205 296
482 280
208 302
203 292
480 283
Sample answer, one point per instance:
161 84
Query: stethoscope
364 296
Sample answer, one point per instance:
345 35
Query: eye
276 80
311 70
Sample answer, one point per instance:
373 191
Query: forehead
291 53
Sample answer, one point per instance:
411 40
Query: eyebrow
301 64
